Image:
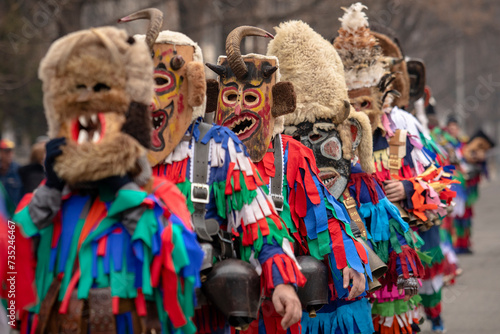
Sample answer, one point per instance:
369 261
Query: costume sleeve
391 238
241 197
319 220
37 210
409 191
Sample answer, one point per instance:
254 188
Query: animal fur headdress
97 87
391 48
359 49
367 71
313 66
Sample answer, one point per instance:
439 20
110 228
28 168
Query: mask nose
239 103
154 104
237 110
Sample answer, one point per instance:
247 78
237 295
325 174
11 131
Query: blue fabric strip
71 211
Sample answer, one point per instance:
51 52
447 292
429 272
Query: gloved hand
53 150
114 183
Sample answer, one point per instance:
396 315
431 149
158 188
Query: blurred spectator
9 175
33 173
452 126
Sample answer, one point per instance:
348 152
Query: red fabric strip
67 296
337 243
140 303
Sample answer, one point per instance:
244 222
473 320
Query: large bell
373 285
233 286
314 294
378 267
402 212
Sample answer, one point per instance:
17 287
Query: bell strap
200 191
358 228
277 180
397 150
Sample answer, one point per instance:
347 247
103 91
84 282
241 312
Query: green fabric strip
23 219
436 255
43 277
381 248
431 300
126 199
396 307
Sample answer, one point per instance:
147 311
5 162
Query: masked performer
334 137
251 102
232 215
106 260
471 167
398 144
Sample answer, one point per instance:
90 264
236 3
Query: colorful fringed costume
327 125
239 203
110 255
120 249
471 165
395 243
402 148
428 194
323 231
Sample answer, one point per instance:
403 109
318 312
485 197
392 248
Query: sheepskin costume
313 66
177 38
97 87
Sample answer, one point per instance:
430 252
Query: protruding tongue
155 138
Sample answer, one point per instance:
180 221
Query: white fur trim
354 17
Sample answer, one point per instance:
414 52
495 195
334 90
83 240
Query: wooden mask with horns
179 91
248 93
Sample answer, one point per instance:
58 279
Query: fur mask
324 120
97 87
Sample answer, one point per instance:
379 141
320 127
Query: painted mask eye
331 148
163 82
252 99
315 137
230 97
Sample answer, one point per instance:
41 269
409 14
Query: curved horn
219 69
155 17
385 81
268 71
233 51
342 116
393 92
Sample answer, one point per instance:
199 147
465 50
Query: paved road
472 305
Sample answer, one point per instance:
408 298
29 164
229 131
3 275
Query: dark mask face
324 140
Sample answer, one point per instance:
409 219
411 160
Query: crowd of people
307 190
